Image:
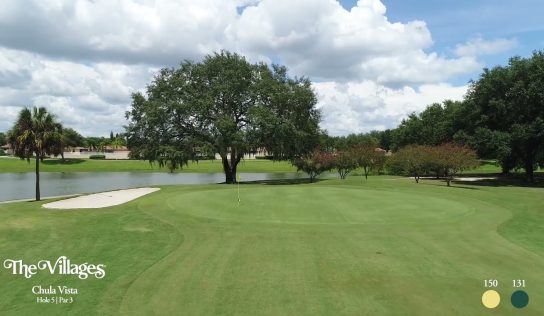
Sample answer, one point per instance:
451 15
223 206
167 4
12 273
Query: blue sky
371 62
455 21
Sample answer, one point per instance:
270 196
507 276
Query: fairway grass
384 246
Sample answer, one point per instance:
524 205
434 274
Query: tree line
226 105
38 134
365 157
501 117
444 161
70 139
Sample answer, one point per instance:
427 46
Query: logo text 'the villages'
61 266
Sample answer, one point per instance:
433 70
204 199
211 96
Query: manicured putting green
321 205
386 246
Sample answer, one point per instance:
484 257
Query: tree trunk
230 167
233 172
37 178
226 170
448 181
233 164
366 173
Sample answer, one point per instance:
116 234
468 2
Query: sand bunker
99 200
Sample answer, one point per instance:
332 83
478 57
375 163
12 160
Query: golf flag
238 181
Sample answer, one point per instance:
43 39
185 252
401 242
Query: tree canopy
505 107
315 163
36 133
224 105
3 139
446 160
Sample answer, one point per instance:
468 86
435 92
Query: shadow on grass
281 181
500 180
442 183
67 161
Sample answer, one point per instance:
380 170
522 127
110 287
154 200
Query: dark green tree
507 102
227 104
35 133
436 125
3 139
72 138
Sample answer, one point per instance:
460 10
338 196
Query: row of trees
345 161
226 105
501 117
380 139
71 139
445 161
37 133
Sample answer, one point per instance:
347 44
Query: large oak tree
224 105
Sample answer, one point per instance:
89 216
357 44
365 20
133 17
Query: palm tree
35 133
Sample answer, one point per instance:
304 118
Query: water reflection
14 186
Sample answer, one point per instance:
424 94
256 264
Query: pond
16 186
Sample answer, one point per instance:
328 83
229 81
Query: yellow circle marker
491 299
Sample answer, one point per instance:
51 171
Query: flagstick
238 178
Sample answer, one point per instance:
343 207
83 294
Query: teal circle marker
520 299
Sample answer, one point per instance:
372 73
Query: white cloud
83 59
144 31
317 38
320 39
90 98
362 107
479 47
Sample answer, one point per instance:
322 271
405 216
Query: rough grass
89 165
205 166
385 246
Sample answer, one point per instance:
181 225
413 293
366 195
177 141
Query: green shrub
396 166
2 152
264 157
97 157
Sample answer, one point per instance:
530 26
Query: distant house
78 149
259 152
381 150
7 149
112 149
111 152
